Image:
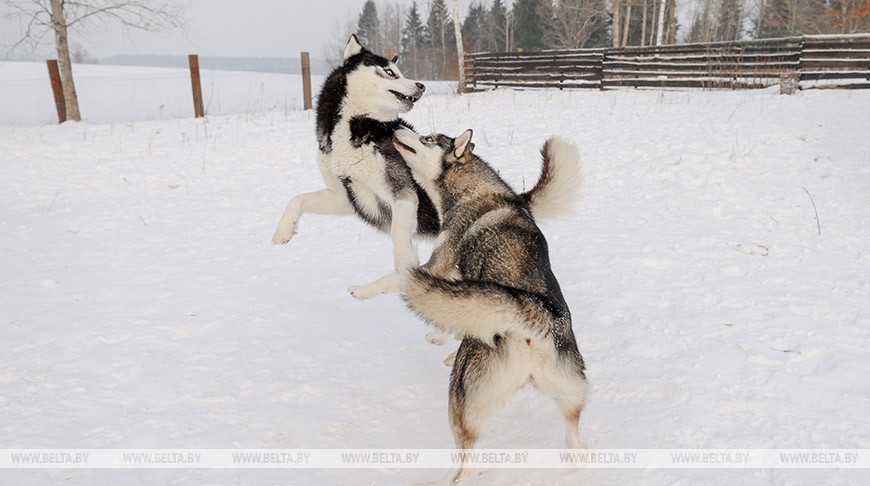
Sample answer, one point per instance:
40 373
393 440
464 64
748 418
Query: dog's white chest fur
363 166
362 163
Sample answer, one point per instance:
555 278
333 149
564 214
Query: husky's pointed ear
353 47
394 59
462 145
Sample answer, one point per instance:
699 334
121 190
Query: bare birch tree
660 32
333 50
509 22
391 25
615 33
575 23
643 23
61 17
627 27
460 51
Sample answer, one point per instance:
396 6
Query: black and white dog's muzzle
410 98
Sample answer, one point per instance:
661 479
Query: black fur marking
398 175
367 58
365 130
333 92
329 107
428 222
380 221
547 174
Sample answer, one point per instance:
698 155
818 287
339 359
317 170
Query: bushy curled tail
558 188
477 309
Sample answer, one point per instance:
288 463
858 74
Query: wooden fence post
57 87
469 74
197 88
789 82
306 80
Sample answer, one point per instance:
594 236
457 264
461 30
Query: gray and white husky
357 113
489 280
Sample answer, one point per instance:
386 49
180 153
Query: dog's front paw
388 284
363 292
438 337
450 360
283 236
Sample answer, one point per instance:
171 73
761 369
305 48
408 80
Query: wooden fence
816 61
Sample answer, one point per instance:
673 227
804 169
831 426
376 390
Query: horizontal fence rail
816 61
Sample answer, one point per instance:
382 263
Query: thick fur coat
489 280
357 114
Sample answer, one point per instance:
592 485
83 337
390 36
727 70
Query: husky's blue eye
390 73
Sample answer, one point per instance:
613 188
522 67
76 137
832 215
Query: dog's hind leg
405 256
566 384
483 379
402 227
571 414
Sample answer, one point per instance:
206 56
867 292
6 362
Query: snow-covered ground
109 94
143 306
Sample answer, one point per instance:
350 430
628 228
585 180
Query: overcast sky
250 28
265 28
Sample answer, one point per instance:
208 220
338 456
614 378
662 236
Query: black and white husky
489 280
357 113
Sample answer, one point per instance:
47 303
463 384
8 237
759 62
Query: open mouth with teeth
407 99
403 146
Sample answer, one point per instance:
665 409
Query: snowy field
109 94
143 306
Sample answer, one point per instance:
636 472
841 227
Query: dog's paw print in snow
754 250
646 350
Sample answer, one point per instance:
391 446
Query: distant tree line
422 33
724 20
423 40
